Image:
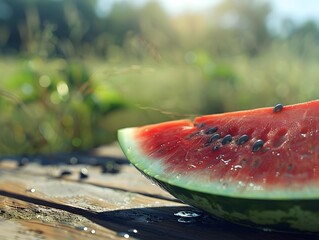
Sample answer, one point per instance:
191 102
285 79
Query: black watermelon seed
211 130
200 125
227 139
278 107
258 145
213 138
242 139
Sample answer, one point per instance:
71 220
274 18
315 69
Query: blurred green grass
59 106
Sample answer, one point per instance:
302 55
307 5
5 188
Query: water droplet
133 230
85 228
32 190
93 231
303 135
258 188
241 184
187 214
186 220
123 235
225 161
223 183
277 174
236 167
84 173
275 153
266 229
191 166
221 156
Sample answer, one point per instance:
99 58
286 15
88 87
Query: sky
298 10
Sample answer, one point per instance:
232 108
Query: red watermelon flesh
258 153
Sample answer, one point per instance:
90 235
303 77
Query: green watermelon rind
280 209
281 215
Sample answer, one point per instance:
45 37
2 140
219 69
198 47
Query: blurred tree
140 31
190 30
10 22
304 39
240 25
156 29
122 19
72 28
73 20
309 29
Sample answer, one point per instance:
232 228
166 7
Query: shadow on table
162 223
165 223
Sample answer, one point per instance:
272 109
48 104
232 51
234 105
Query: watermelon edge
130 146
278 214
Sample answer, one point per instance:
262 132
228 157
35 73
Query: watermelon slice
256 167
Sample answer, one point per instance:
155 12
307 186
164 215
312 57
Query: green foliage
54 107
22 84
215 71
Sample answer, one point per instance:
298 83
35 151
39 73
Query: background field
72 75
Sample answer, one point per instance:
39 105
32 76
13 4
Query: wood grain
37 201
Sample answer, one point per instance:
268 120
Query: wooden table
88 197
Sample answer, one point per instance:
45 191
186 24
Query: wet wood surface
101 197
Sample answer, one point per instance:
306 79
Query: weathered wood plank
37 203
54 203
